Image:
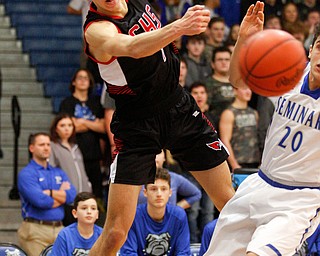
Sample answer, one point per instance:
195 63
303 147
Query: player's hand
253 20
195 20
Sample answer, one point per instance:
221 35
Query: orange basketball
272 62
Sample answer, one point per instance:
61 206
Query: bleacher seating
53 39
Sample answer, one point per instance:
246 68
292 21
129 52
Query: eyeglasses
82 78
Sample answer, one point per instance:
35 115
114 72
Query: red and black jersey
141 87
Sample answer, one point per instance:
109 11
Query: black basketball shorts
183 129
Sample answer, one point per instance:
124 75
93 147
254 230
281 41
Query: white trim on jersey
112 73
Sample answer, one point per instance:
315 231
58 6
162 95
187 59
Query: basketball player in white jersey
275 210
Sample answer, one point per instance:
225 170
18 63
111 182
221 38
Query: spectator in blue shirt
159 228
44 190
79 237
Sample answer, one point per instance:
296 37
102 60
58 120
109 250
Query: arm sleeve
59 246
130 247
70 193
30 189
206 236
183 238
187 190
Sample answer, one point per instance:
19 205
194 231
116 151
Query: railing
16 123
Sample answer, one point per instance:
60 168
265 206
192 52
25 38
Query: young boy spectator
159 228
198 66
79 237
184 193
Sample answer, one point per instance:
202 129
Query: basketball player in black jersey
140 65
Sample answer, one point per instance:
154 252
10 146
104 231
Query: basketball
272 62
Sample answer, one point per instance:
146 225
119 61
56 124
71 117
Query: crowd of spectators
82 144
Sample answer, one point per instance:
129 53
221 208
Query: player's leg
122 203
217 183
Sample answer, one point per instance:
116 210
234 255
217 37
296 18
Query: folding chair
7 249
46 251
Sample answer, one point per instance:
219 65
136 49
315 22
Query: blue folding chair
7 249
195 249
240 174
46 251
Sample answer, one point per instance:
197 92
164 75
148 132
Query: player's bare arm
251 24
105 41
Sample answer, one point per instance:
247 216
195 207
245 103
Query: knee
116 236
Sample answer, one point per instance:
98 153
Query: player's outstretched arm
251 24
105 41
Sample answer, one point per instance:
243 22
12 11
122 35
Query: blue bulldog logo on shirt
83 111
157 245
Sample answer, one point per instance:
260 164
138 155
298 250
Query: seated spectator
200 93
215 35
313 18
198 66
180 186
290 15
206 236
238 131
44 190
220 90
158 228
305 6
272 22
183 72
233 35
79 237
66 155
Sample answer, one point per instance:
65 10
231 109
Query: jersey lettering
148 22
296 140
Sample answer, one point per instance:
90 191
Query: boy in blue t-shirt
158 228
79 237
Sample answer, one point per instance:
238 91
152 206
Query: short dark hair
91 79
219 49
216 19
54 135
316 33
198 38
82 196
196 85
33 137
162 174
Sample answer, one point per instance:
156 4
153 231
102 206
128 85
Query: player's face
87 211
221 63
158 193
110 7
41 148
64 128
314 55
200 95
